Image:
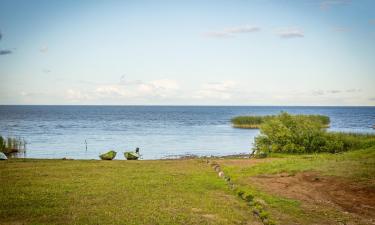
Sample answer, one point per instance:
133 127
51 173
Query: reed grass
11 145
254 122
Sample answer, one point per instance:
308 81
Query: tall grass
12 145
254 122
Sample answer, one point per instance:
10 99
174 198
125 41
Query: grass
354 166
254 122
251 122
116 192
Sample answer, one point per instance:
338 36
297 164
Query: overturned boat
108 156
132 155
3 156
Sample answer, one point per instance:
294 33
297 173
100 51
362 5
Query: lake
159 131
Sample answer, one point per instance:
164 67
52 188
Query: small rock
256 212
221 174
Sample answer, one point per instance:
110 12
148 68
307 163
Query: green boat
108 156
132 155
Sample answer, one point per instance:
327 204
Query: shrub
287 133
11 145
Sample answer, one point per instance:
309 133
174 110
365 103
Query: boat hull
108 156
131 155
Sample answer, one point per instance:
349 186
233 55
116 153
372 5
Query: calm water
159 131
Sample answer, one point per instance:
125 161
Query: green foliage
287 133
12 145
249 197
257 121
249 120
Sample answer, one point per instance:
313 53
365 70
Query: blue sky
305 52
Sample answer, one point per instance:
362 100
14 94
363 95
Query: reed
254 122
11 145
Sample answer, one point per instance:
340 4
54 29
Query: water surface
159 131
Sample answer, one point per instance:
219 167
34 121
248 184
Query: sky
222 52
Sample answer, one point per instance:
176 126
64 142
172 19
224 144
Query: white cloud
163 88
76 95
334 91
112 91
354 90
290 33
242 29
223 90
230 32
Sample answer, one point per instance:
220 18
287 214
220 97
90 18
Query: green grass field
185 191
116 192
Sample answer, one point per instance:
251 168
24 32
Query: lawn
116 192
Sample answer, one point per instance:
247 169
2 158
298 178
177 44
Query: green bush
287 133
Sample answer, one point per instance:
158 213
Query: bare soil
313 189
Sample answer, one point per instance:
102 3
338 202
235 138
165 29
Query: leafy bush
287 133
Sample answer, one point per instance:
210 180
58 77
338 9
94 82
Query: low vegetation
116 192
319 188
286 133
254 122
12 145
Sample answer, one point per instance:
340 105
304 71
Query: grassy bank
254 122
116 192
312 188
